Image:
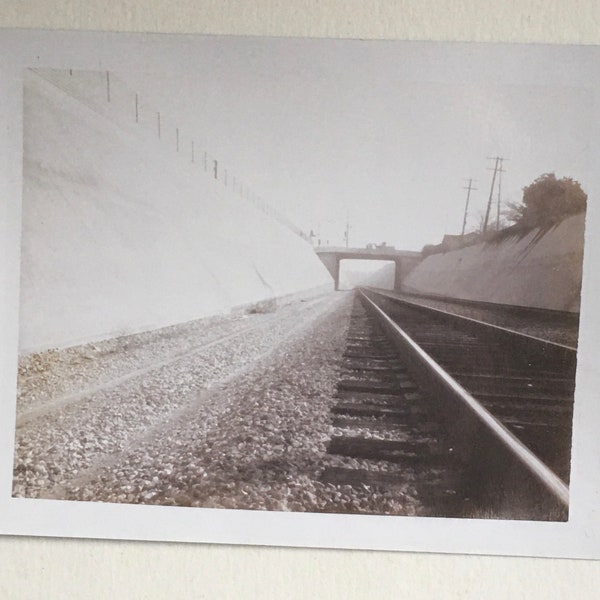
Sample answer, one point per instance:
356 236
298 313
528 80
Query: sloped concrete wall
120 235
537 270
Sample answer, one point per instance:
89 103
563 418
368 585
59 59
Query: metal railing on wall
107 94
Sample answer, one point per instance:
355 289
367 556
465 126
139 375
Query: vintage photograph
307 276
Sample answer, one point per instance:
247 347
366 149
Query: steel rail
481 324
454 391
553 351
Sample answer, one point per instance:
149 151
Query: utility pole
347 232
497 160
500 171
469 188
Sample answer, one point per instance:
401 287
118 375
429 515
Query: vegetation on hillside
547 201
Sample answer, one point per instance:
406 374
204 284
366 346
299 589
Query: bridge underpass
404 260
371 273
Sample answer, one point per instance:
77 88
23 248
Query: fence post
137 113
108 86
158 115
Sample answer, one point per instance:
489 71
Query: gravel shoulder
243 425
78 409
52 375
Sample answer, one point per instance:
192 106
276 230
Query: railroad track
476 417
555 325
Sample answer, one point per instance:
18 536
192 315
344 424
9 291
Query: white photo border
577 538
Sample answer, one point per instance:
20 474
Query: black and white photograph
333 290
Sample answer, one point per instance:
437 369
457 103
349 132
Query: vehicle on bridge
382 246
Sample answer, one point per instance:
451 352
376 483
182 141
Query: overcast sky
384 133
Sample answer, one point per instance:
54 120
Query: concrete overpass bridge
405 260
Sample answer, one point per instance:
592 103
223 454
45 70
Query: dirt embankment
123 234
535 270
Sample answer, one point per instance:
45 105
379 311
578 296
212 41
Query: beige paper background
50 568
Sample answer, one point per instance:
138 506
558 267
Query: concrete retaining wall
537 270
120 235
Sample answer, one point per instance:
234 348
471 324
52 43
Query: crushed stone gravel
242 424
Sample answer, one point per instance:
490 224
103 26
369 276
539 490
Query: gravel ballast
242 423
